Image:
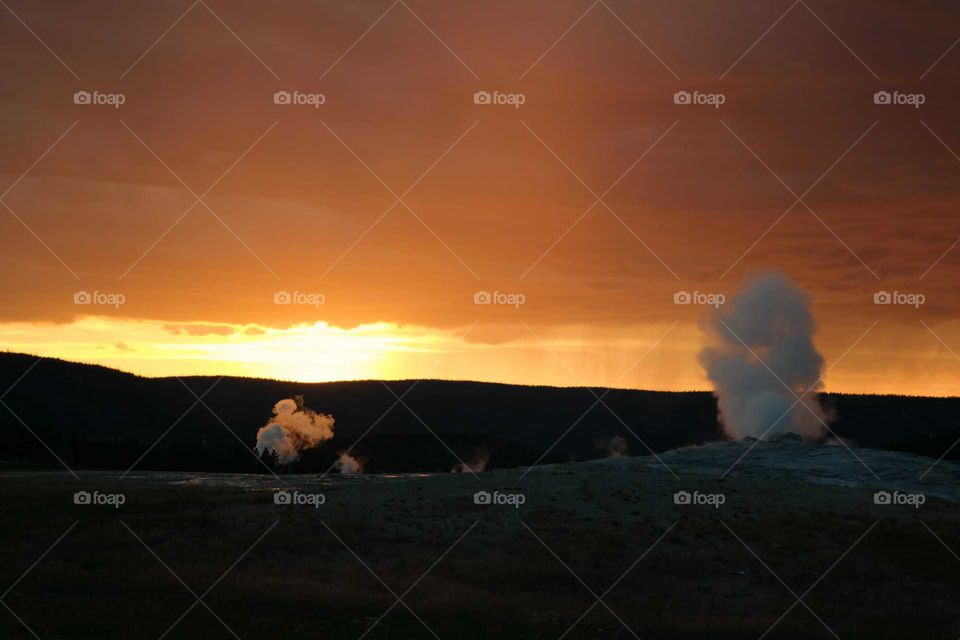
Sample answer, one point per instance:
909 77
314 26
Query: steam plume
617 447
477 463
292 429
767 324
348 464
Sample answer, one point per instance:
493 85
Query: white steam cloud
765 333
292 429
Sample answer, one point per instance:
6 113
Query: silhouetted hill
96 417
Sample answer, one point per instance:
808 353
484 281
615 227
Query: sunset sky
199 203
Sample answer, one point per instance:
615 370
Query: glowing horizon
664 359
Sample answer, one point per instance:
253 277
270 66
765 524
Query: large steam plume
765 333
292 429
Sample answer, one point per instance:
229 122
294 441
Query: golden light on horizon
654 357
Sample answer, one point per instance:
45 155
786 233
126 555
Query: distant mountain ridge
101 418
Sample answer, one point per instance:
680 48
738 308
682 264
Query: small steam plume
476 464
767 324
617 447
348 464
294 428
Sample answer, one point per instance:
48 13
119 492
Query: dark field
464 570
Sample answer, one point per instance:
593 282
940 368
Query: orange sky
491 197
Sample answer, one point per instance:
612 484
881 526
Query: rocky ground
776 540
